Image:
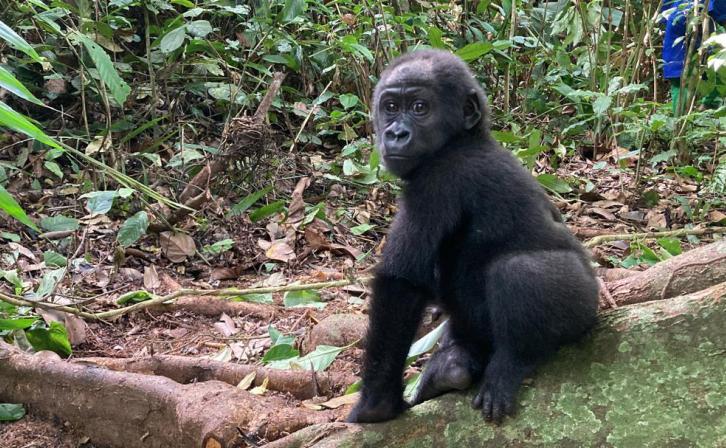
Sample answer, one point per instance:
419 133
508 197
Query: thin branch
227 292
650 235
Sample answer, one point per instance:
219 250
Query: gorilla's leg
536 302
453 366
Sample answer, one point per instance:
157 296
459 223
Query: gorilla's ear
472 110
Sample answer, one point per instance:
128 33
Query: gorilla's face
414 118
410 124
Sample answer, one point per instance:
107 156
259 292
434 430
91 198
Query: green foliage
10 412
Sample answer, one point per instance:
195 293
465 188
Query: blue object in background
674 55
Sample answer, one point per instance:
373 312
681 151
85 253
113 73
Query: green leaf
671 245
53 168
132 229
12 208
265 298
411 386
601 104
17 324
280 352
320 358
474 51
59 223
173 39
427 342
17 42
54 259
292 9
554 183
219 247
54 338
10 412
267 210
278 338
305 297
248 201
199 28
119 89
434 34
18 122
100 202
361 229
134 297
8 82
348 100
48 283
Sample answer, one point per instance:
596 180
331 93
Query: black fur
477 233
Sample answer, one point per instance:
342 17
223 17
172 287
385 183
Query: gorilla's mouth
396 157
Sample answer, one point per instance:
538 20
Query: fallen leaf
226 326
247 381
281 251
151 278
262 388
177 246
337 402
22 250
296 211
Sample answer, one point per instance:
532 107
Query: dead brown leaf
177 246
296 211
151 278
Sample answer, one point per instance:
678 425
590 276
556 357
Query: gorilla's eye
390 107
420 108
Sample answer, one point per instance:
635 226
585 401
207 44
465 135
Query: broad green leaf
18 122
54 259
54 338
411 386
59 223
265 298
361 229
100 202
48 283
132 229
134 297
554 183
348 100
17 324
601 104
321 357
11 276
248 201
8 82
267 210
17 42
10 412
12 208
53 168
219 247
119 89
280 352
434 34
305 297
292 9
199 28
474 51
671 245
427 342
278 338
173 39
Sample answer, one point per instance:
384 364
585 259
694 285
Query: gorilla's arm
404 284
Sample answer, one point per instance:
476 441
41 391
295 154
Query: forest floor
321 252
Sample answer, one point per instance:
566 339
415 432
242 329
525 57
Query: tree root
134 410
183 369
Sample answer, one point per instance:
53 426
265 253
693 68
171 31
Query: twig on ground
650 235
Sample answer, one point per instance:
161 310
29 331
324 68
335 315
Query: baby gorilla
476 234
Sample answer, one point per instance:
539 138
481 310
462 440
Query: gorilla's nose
397 138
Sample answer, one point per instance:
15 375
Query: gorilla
476 235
